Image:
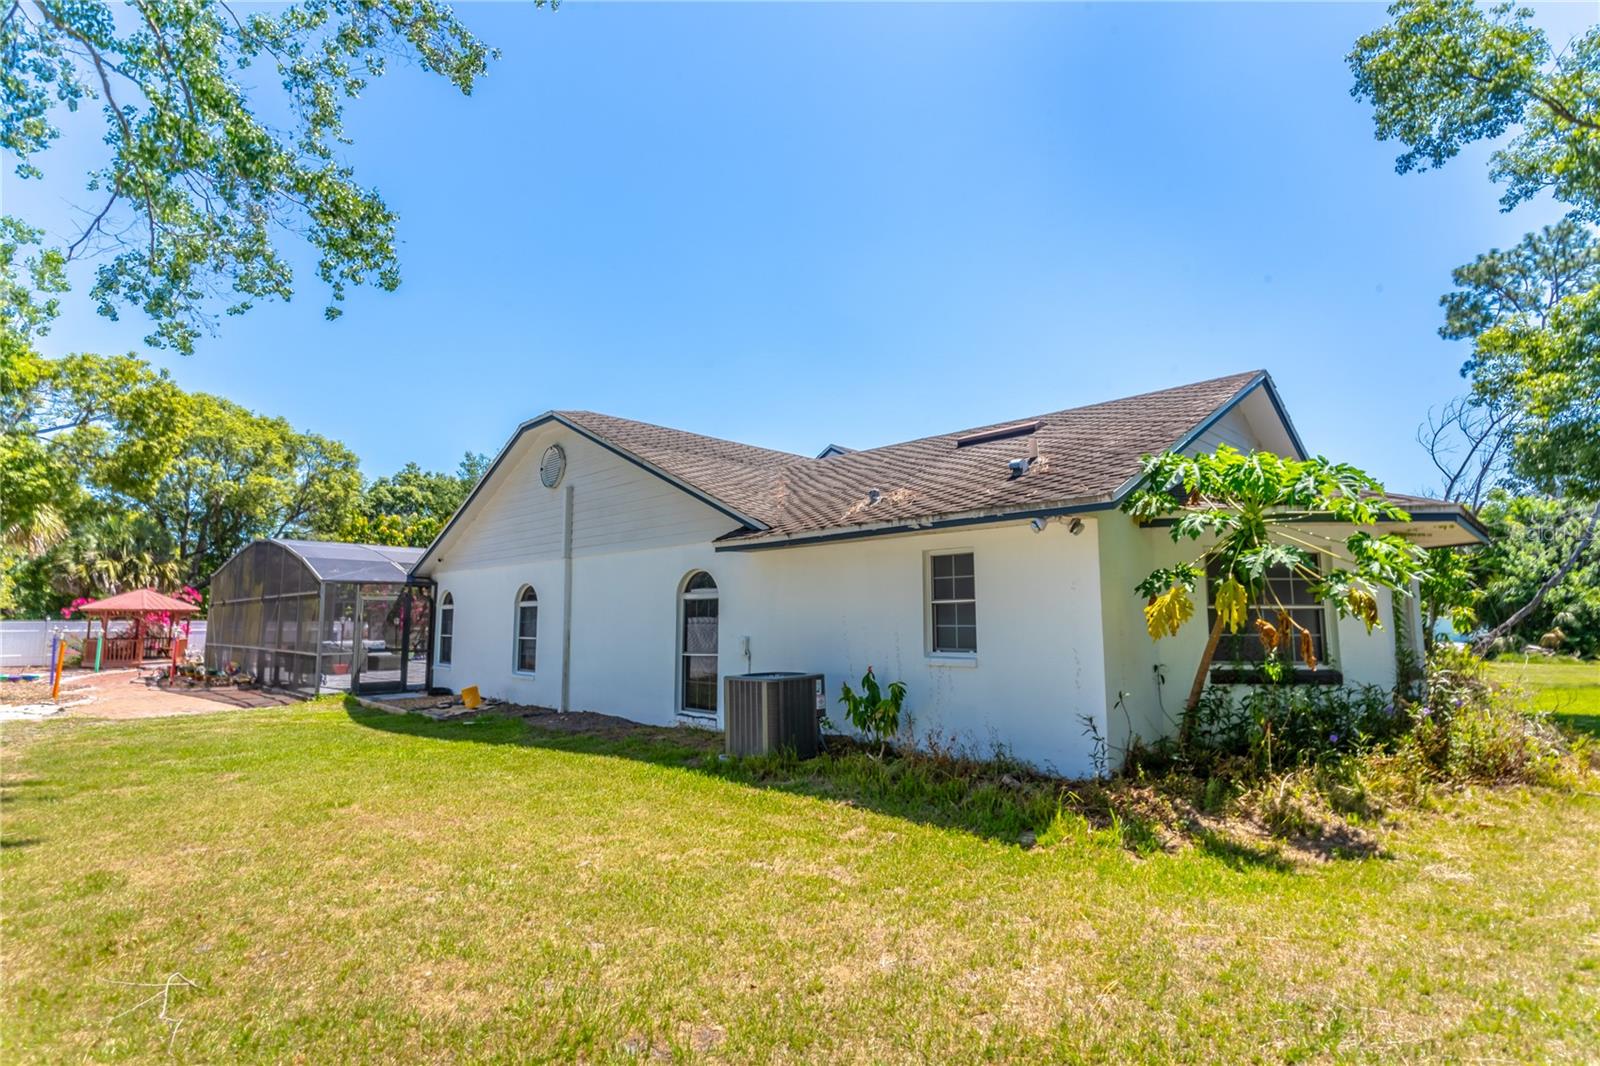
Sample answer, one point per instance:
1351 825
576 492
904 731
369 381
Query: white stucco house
609 565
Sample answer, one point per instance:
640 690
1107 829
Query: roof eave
928 524
1445 511
1261 379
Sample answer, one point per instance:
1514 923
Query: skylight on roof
1016 429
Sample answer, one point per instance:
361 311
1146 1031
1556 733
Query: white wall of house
1141 705
841 607
634 537
1253 423
834 608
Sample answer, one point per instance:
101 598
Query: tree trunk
1482 645
1186 729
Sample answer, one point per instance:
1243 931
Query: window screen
954 603
1287 590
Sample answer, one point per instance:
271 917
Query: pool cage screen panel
317 617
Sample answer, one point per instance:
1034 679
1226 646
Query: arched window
697 644
527 629
447 628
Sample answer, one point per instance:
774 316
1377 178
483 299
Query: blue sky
796 224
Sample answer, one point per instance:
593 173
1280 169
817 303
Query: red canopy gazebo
136 605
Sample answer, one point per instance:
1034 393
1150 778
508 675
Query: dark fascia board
551 416
1260 380
917 526
1462 518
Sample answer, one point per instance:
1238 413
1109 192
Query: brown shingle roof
1085 454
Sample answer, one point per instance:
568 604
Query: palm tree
115 552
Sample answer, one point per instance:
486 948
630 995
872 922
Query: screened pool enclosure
315 616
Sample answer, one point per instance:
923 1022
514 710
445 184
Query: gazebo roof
139 601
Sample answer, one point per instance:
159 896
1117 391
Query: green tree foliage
411 506
223 131
1445 73
1257 513
241 476
109 549
31 283
1532 313
1553 374
1522 285
1442 74
1533 538
114 477
76 426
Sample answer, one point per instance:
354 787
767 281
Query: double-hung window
953 604
1287 592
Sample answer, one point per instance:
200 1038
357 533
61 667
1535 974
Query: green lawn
1569 690
346 885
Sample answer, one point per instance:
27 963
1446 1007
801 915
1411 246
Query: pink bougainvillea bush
163 619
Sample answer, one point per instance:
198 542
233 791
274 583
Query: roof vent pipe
874 495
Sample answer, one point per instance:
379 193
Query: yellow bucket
470 697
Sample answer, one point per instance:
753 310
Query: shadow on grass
1238 854
1578 723
1003 803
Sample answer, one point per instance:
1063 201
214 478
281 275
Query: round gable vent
552 466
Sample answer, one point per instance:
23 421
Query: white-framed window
1288 592
697 644
527 630
447 629
952 604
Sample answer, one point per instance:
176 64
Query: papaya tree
1260 514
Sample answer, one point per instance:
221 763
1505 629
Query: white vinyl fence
27 643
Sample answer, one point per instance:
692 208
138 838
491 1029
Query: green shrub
1274 727
1300 758
1470 730
874 711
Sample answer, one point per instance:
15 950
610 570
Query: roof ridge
579 414
1244 377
